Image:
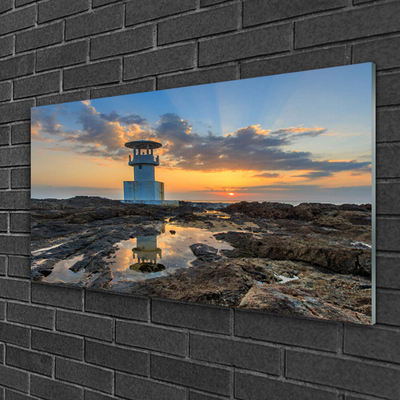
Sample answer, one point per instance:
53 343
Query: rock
204 252
281 299
335 257
172 232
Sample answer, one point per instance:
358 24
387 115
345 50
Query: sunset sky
295 137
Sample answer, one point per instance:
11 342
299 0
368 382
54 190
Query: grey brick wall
62 343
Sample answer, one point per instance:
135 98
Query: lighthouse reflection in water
146 254
147 257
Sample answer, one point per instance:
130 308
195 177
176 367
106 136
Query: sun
231 194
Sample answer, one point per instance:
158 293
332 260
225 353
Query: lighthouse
144 188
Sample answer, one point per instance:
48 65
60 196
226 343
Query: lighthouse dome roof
142 144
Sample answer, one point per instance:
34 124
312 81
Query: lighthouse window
140 167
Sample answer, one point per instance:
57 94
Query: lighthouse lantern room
144 188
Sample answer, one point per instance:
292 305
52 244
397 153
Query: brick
387 122
11 288
20 222
62 56
117 305
18 245
99 3
309 60
3 265
145 85
160 61
85 325
17 66
122 42
151 337
382 52
198 376
133 388
205 3
192 316
6 46
378 344
6 5
387 195
17 20
386 161
30 315
39 37
37 84
387 89
92 74
235 353
14 200
387 234
5 135
146 10
274 39
5 91
359 376
10 333
21 178
13 378
54 9
56 343
321 335
387 310
21 133
349 397
117 358
19 3
63 98
89 395
85 375
103 20
12 395
19 266
50 389
347 25
3 222
259 11
29 360
55 295
250 387
2 310
200 396
16 111
14 155
199 77
388 272
199 24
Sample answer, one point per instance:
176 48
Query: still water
152 256
143 257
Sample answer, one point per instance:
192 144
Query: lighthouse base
146 192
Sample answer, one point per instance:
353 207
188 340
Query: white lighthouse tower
144 188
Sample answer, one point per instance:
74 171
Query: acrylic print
256 194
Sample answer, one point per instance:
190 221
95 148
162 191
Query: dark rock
203 252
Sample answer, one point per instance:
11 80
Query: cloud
129 119
314 175
267 175
248 148
101 135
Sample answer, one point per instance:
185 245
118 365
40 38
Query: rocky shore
312 259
